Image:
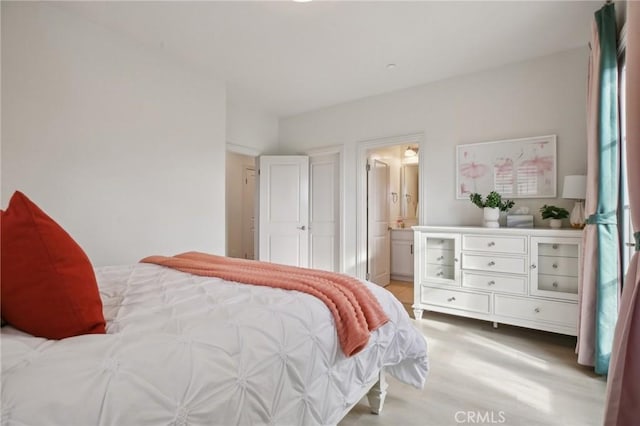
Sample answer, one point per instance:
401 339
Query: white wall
123 148
538 97
251 128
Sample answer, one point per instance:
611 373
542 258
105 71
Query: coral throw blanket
355 309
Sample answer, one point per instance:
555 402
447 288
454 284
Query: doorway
240 205
384 204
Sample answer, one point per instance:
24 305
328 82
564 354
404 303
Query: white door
379 238
248 213
284 210
324 213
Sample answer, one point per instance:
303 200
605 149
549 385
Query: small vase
491 215
576 219
555 223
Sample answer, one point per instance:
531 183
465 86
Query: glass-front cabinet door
439 258
555 268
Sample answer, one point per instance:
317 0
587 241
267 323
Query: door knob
302 228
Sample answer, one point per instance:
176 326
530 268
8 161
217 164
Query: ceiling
288 58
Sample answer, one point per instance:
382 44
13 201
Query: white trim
328 150
361 189
243 150
422 183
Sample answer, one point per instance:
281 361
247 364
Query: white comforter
188 350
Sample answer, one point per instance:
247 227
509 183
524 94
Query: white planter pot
491 216
555 223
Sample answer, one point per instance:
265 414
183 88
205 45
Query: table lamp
575 188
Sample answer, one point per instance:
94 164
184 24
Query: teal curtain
605 219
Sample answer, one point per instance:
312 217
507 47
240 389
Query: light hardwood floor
481 375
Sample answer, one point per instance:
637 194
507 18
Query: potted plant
556 214
492 206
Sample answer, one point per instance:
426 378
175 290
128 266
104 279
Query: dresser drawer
440 243
495 244
536 310
439 271
565 266
504 283
438 256
456 299
558 249
564 286
513 265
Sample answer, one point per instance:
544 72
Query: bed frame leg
377 394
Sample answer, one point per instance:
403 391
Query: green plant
493 200
553 212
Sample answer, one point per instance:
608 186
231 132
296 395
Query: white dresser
524 277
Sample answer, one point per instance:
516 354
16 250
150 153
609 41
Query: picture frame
515 168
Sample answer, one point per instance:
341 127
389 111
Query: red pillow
48 285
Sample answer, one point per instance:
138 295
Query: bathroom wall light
411 152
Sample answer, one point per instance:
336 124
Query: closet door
324 248
284 209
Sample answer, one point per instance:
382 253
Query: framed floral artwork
515 168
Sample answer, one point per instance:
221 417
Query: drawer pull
555 284
440 258
491 282
441 241
451 299
555 246
536 310
439 274
491 244
492 263
555 266
533 266
411 248
455 259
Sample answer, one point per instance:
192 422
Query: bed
182 349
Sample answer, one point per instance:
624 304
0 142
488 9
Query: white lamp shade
575 187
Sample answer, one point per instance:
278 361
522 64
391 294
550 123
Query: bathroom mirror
409 190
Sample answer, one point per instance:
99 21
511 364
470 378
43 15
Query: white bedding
188 350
